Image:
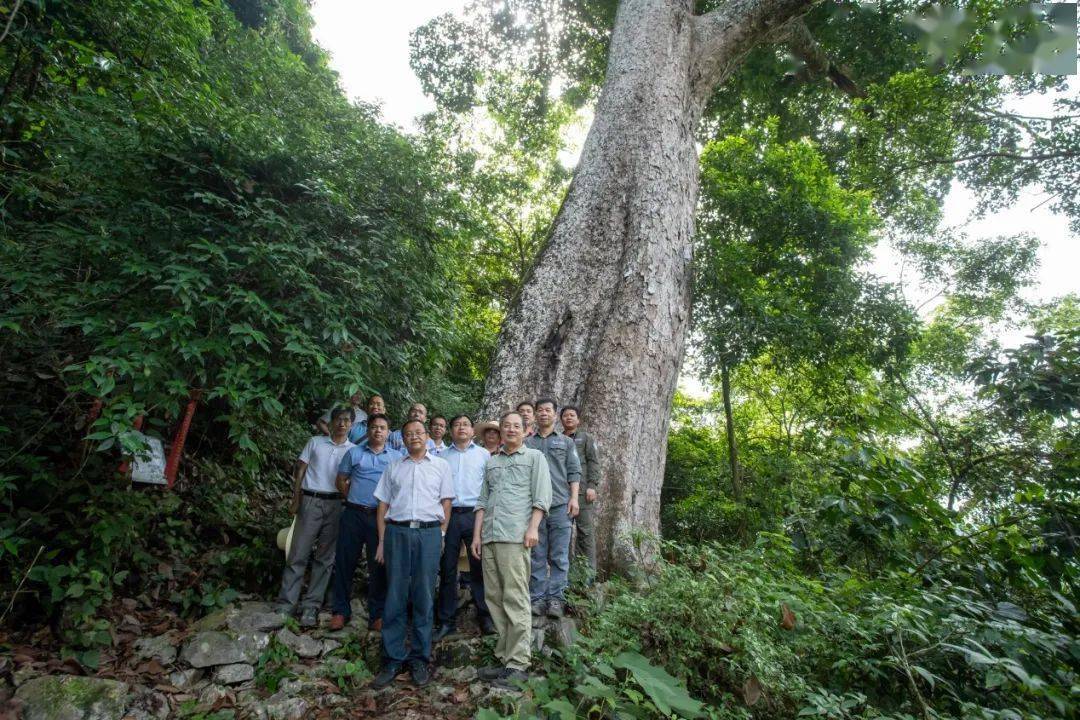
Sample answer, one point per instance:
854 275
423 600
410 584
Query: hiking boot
309 618
487 625
539 608
442 632
338 622
512 679
420 673
285 610
492 672
386 677
556 608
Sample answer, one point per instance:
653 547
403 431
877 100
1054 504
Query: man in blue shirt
417 411
358 474
467 461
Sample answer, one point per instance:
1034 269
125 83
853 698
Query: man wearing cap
358 475
467 461
551 556
317 506
585 545
513 499
414 495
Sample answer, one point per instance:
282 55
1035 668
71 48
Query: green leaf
562 708
664 690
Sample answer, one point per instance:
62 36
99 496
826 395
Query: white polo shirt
323 456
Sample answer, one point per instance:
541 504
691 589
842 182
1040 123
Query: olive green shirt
514 484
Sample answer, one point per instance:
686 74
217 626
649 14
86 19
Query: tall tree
601 319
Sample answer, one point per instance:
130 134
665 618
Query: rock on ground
209 648
146 704
303 645
279 707
233 674
185 678
161 648
71 697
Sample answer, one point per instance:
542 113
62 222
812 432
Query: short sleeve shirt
323 456
415 489
364 468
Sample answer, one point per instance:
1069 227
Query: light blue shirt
467 467
414 490
364 468
398 443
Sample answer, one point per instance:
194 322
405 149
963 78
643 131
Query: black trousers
459 531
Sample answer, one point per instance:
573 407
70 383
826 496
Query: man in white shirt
467 461
437 431
414 495
317 505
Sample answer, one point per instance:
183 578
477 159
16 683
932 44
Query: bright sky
369 46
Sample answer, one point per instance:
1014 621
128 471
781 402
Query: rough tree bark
601 318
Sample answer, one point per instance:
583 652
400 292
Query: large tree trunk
601 319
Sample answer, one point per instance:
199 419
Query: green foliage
754 636
190 203
273 665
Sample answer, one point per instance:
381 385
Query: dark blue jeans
412 561
358 532
458 532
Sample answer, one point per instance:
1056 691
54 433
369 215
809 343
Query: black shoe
420 673
492 672
539 608
513 679
556 608
386 677
442 632
487 625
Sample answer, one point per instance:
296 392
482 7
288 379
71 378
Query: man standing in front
358 475
414 497
513 500
590 475
551 556
317 505
467 461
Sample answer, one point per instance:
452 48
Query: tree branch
11 19
726 34
1037 157
817 62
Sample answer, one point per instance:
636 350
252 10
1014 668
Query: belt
461 510
362 508
322 495
414 524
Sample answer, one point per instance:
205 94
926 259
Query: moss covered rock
70 697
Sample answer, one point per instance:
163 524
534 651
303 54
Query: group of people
511 491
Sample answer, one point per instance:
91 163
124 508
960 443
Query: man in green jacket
514 497
590 477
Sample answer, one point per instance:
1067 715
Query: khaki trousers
506 590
